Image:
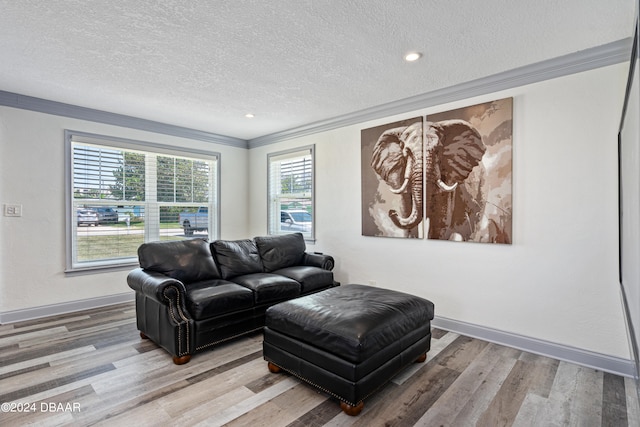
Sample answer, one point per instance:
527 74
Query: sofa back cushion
281 251
185 260
236 257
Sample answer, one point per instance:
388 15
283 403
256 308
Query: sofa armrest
318 259
157 286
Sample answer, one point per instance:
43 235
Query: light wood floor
92 368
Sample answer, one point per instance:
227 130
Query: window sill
96 269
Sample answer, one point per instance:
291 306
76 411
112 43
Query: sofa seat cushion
310 278
212 298
280 251
269 287
236 257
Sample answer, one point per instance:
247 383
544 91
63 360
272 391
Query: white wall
630 175
32 247
558 281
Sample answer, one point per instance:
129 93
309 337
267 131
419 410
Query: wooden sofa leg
351 410
421 358
181 360
273 368
143 336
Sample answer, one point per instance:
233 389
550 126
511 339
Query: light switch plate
12 210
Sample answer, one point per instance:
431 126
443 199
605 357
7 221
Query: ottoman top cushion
353 322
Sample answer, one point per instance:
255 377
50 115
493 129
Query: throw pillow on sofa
236 257
281 251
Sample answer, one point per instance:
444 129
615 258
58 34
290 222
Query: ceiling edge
585 60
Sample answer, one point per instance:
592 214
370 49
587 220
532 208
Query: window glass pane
108 232
183 180
178 222
122 198
96 172
291 192
201 182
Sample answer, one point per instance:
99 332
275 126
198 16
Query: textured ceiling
204 64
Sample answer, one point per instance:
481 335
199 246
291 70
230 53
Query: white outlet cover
12 210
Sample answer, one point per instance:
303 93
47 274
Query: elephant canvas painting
447 178
390 205
475 146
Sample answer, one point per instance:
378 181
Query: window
123 193
291 184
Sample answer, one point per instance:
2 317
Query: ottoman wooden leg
181 360
273 368
351 410
421 358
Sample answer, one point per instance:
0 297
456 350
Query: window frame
71 137
310 149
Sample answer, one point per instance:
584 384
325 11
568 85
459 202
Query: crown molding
39 105
585 60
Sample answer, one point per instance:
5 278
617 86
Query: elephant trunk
414 179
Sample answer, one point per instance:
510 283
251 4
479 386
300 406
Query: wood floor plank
436 348
208 409
150 415
525 377
127 411
420 392
586 406
633 402
10 330
96 359
38 336
20 391
479 401
231 413
283 409
532 412
569 402
51 358
614 400
454 399
545 373
214 387
319 416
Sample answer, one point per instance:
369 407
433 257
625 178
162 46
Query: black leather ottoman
349 340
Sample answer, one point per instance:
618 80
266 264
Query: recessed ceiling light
249 116
412 56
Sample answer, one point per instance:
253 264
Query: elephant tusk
400 189
456 237
446 187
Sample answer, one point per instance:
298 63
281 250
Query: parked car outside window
87 217
295 220
105 214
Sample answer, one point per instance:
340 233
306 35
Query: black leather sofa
192 294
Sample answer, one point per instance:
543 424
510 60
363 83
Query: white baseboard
602 362
63 308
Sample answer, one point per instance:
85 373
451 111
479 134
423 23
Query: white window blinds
123 195
291 192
